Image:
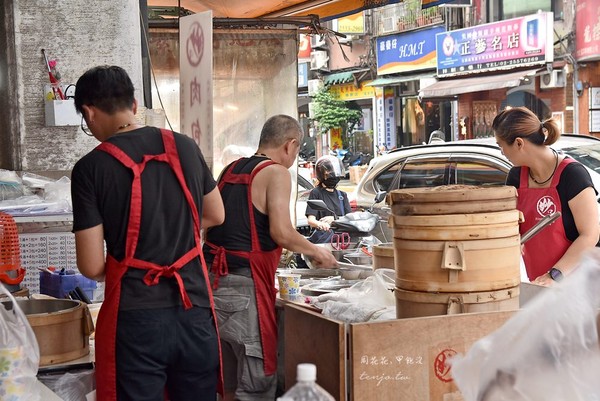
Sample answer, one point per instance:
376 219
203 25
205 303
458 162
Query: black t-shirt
574 179
331 199
101 192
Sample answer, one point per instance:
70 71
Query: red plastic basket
11 271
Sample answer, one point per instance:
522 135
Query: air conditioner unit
314 85
348 38
388 24
317 41
555 79
319 60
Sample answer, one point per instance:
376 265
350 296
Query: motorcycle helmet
329 171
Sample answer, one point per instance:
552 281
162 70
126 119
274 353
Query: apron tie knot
153 276
219 265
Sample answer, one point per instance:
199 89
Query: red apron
545 249
106 329
263 265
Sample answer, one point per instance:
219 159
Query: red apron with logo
545 249
263 265
106 379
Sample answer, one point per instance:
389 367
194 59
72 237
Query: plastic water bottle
306 387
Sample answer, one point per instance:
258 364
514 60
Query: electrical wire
152 70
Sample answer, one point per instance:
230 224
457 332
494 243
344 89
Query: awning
392 81
457 86
338 78
325 9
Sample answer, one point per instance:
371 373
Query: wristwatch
555 274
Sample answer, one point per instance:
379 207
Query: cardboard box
401 359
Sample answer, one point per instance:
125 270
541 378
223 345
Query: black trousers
167 348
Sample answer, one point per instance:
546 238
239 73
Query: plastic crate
59 285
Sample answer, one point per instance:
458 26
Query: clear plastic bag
19 352
547 351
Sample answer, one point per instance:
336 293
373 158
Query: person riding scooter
329 171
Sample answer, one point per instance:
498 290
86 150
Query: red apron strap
254 233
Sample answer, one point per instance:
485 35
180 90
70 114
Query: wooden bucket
383 256
452 199
457 266
61 327
411 304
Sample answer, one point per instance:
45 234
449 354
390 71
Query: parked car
469 162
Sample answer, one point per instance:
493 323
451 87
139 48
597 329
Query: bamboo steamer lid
452 199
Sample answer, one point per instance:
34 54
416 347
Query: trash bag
19 352
547 351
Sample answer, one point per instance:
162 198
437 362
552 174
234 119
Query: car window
304 184
588 155
467 172
384 179
421 173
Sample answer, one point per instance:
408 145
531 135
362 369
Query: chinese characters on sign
587 39
407 52
386 118
516 42
196 80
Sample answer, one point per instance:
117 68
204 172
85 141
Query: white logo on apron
546 206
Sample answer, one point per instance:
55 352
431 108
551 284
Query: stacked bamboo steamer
456 249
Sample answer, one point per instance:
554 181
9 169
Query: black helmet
328 168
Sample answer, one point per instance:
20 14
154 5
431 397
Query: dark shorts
167 348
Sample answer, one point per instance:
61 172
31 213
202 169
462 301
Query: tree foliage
331 113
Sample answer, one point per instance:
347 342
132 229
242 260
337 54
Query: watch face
555 274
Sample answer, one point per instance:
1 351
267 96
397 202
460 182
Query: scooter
352 238
357 225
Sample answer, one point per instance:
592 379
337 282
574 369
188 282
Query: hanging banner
351 25
195 80
407 52
386 117
513 43
587 40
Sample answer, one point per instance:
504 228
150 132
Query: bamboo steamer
442 227
383 256
61 327
452 199
411 304
457 266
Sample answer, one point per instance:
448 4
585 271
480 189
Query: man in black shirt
156 329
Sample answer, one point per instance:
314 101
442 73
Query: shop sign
302 75
513 43
195 77
304 48
386 117
352 24
350 92
587 39
408 51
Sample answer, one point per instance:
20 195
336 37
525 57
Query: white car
468 162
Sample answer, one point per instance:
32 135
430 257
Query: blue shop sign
302 75
408 51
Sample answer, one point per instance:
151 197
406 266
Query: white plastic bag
368 300
19 352
547 351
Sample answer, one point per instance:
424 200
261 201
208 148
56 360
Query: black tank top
234 233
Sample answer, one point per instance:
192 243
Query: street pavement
346 186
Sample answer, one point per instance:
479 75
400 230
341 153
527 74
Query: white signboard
195 77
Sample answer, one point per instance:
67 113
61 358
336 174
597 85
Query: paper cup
289 284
